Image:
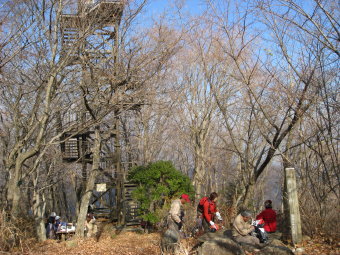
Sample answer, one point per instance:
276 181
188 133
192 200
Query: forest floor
130 243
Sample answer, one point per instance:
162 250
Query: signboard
101 187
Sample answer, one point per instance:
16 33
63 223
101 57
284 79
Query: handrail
103 1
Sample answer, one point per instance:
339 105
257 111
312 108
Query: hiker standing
50 231
207 212
176 213
171 238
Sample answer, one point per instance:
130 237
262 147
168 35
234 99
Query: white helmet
53 214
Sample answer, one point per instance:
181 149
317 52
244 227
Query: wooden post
293 202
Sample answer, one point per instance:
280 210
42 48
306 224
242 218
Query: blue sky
156 7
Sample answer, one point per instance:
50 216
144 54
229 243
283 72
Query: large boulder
221 243
169 240
218 243
220 246
276 247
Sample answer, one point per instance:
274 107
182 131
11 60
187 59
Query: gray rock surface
220 246
221 243
275 250
169 240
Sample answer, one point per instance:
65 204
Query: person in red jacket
269 217
209 213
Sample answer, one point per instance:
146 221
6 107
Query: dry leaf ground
130 243
127 243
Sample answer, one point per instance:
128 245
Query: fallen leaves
131 243
321 246
124 244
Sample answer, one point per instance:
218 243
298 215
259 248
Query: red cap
186 197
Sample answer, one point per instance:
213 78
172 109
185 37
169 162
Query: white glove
211 223
218 216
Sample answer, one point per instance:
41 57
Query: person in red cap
176 212
172 236
269 217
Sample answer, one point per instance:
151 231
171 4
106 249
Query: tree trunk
86 196
39 207
249 192
120 191
64 196
9 187
80 185
199 174
13 192
197 182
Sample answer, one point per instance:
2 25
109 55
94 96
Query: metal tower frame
92 33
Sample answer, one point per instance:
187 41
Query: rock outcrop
169 240
221 243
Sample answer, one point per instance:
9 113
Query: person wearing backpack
176 212
171 238
207 212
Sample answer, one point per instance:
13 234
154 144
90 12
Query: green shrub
158 183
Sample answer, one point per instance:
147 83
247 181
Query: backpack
201 203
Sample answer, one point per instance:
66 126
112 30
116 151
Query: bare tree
269 118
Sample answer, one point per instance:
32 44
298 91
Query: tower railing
95 2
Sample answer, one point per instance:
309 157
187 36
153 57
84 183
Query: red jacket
269 217
209 210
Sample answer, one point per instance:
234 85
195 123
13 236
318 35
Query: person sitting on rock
269 217
241 229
